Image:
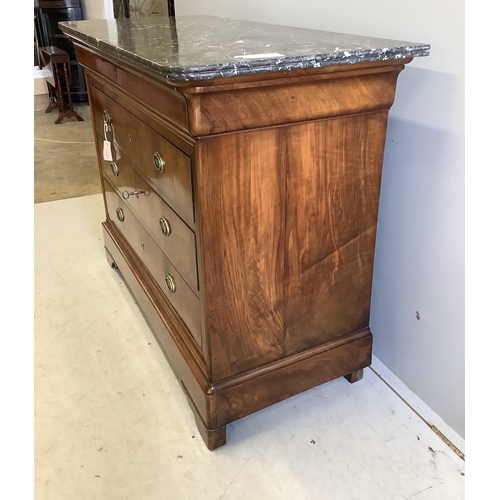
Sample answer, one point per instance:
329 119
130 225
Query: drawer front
142 146
176 290
171 234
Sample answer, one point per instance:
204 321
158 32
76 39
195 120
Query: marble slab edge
241 68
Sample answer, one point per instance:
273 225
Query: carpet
65 160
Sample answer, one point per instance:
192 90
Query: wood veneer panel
333 183
241 188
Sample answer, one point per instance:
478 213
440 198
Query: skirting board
414 402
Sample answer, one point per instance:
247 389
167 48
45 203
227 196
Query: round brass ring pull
114 169
169 281
120 214
158 161
166 229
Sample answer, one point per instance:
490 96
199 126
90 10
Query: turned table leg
71 111
52 99
59 94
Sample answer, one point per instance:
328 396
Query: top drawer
166 166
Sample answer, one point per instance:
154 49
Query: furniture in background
50 13
147 8
37 32
55 65
241 188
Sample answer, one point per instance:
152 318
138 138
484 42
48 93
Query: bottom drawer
176 290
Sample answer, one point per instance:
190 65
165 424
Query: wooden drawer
179 245
138 144
182 298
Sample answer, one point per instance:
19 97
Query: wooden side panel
333 183
241 189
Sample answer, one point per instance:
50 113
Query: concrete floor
112 423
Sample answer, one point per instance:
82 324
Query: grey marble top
206 47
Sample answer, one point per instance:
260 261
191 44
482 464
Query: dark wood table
55 66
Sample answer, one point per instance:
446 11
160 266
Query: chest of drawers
241 210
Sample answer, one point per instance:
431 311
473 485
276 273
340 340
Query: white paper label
260 56
106 151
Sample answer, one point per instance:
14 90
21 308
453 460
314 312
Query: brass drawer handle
106 117
166 229
120 214
169 281
114 169
158 161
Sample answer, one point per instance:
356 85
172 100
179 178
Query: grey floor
111 422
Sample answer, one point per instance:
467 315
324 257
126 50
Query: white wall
98 9
419 260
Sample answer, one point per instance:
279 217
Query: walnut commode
242 213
